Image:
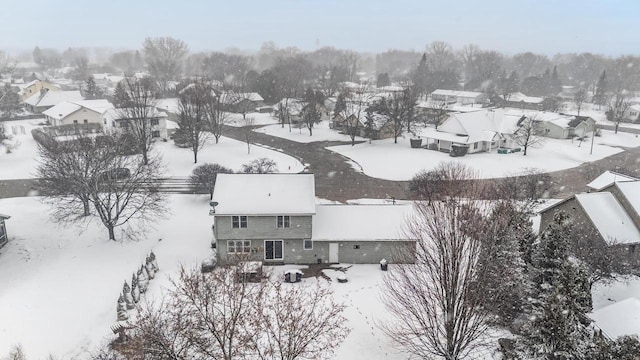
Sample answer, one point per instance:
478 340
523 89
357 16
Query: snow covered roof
52 98
607 178
3 216
618 319
233 97
62 110
609 218
120 114
265 194
456 93
518 96
171 105
631 191
360 222
478 125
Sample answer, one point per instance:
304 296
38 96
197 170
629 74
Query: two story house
274 218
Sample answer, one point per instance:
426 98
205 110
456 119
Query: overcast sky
610 27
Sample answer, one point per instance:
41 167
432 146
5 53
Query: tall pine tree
557 327
600 97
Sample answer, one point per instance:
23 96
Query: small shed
3 230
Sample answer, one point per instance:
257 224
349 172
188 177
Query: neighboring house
77 112
291 108
241 102
46 99
633 113
34 87
117 119
483 130
3 230
460 97
520 100
274 218
611 214
618 319
607 179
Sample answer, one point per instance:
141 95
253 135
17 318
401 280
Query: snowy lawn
386 160
256 119
59 288
228 152
23 160
321 132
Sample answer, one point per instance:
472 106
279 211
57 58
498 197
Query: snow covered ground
255 118
59 288
321 132
22 161
381 158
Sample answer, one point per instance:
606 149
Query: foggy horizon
367 27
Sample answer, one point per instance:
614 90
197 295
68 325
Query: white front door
333 252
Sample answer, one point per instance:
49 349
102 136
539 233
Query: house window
356 247
85 121
308 244
239 222
475 146
632 249
155 134
284 221
155 122
75 122
273 249
238 246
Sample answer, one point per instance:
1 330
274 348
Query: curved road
336 179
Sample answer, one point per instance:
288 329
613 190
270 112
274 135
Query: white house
77 112
46 99
483 130
118 119
460 97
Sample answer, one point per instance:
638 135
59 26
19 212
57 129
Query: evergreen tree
600 97
421 76
92 91
503 279
557 327
120 96
10 102
341 104
383 80
556 84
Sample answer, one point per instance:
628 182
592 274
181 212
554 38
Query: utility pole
593 135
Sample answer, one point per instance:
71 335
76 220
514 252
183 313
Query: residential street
336 178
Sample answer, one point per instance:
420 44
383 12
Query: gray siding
369 252
263 227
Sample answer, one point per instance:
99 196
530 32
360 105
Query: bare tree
216 117
88 171
301 321
63 171
435 300
260 166
126 190
398 108
529 133
137 113
579 98
353 113
203 178
164 56
192 106
618 107
248 124
7 64
311 112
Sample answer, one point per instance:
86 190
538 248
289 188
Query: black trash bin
298 276
383 264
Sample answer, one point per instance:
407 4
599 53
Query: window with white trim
308 244
238 246
155 122
284 221
239 222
